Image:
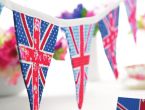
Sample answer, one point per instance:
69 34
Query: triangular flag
36 40
109 30
79 40
130 104
131 12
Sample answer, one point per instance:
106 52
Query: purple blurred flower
61 45
60 49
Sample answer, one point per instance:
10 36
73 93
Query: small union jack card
130 104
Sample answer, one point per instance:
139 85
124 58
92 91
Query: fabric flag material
130 104
79 40
108 27
36 40
131 12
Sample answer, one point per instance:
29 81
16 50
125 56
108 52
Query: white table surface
99 96
59 92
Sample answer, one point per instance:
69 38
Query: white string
100 12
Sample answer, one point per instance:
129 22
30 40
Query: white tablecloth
99 96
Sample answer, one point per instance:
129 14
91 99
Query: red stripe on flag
26 29
35 87
77 78
142 104
42 77
46 36
88 36
86 76
36 33
72 35
81 92
121 107
84 60
29 74
112 55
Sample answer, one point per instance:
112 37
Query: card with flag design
108 27
36 40
79 40
130 104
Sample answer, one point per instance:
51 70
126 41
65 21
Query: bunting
131 12
36 40
130 104
79 40
108 27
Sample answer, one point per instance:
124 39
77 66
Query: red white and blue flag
108 27
79 40
130 104
36 40
131 12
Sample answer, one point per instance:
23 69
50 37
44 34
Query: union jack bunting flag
79 40
108 27
36 40
131 12
130 104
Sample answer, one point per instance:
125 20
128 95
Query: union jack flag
109 29
131 12
79 40
130 104
36 40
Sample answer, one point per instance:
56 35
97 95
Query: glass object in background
11 81
135 76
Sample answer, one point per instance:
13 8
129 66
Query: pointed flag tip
80 106
116 76
135 39
116 73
